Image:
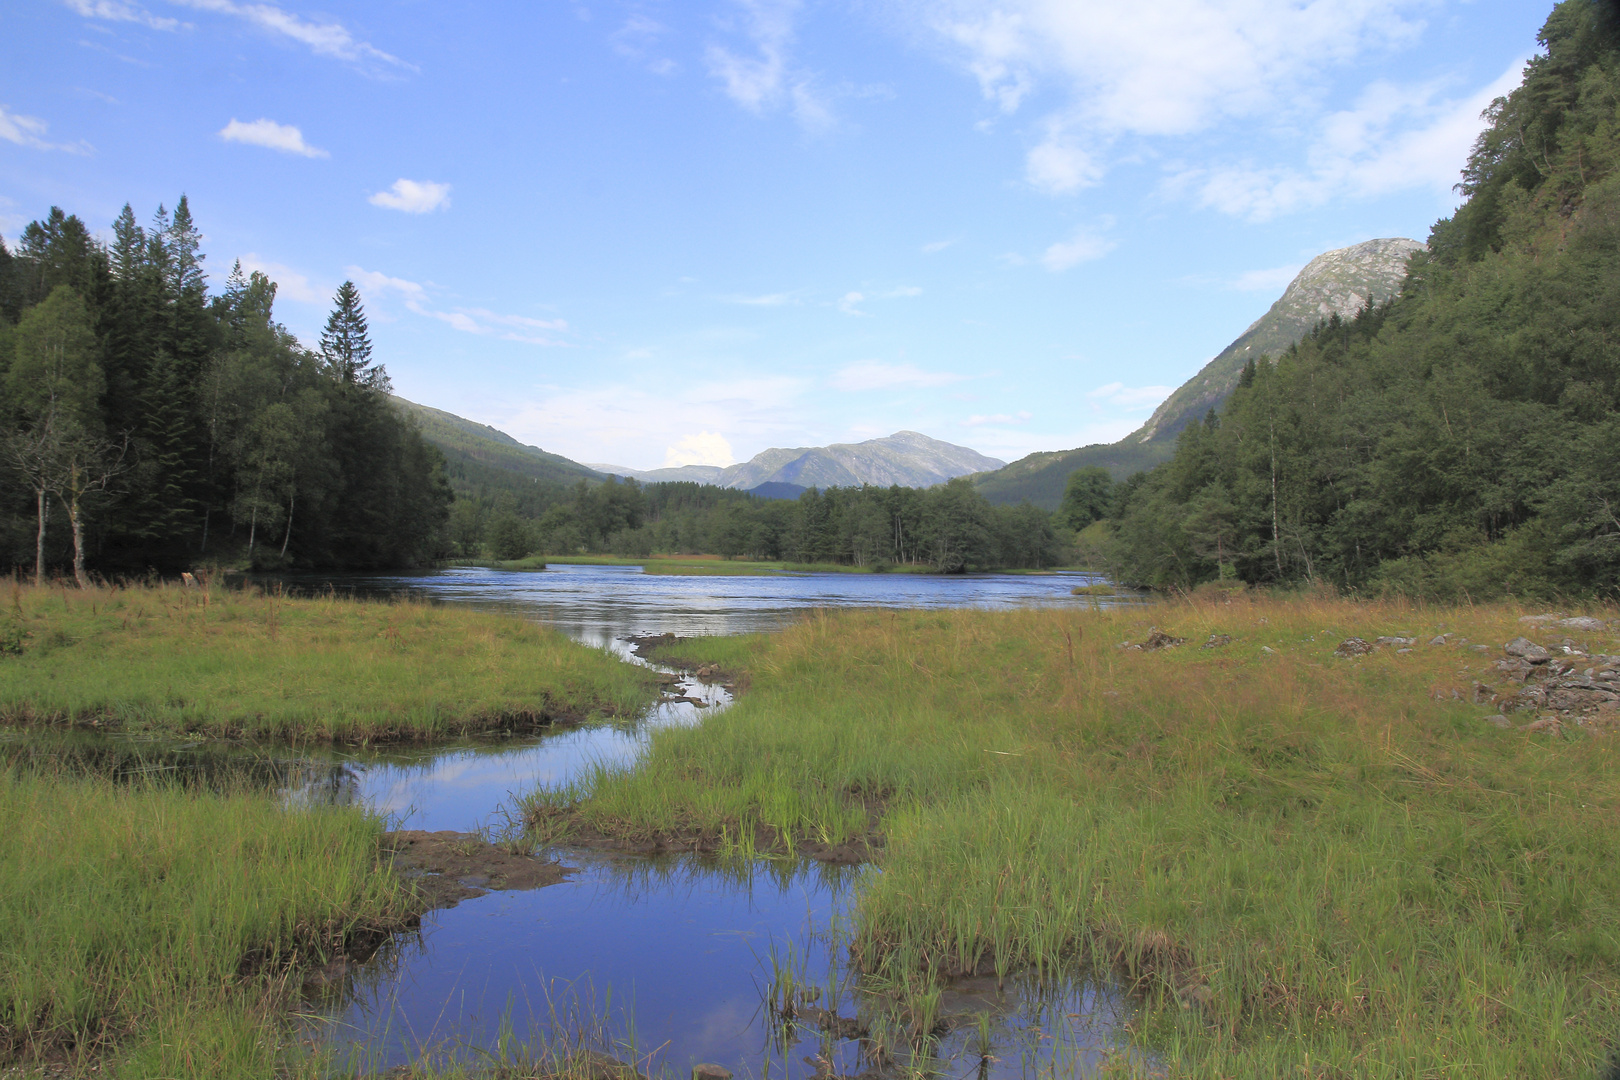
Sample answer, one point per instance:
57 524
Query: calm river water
674 953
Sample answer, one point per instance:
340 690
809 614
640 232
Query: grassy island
1304 863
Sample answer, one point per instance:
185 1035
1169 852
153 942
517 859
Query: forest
950 528
1461 440
147 425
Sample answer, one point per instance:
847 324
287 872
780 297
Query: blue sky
653 233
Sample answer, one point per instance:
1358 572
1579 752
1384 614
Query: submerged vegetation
1300 861
221 662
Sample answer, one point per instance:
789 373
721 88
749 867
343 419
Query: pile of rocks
1564 680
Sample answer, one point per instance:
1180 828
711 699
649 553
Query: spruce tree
346 343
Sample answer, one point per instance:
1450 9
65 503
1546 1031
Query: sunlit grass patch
222 662
1300 861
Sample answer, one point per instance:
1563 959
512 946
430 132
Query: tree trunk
44 502
78 543
253 528
290 500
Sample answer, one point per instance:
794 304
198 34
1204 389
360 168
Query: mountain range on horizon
1338 282
906 458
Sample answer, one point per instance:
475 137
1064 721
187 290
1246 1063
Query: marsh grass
1301 864
222 662
156 930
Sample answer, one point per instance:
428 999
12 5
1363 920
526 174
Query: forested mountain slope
1339 282
1463 437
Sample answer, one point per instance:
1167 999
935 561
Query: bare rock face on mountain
1334 283
1338 282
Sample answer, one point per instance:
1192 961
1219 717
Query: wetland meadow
589 822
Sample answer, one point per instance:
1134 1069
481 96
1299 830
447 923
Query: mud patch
449 867
655 647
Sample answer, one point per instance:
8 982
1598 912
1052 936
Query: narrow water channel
674 956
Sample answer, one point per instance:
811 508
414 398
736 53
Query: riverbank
1299 860
248 664
155 930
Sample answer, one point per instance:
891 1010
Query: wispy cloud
763 77
290 284
271 135
1272 280
980 419
119 11
30 131
876 376
479 321
762 300
1120 396
413 196
1395 138
939 245
331 39
637 40
850 301
1083 246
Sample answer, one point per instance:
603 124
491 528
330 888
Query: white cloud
479 321
876 376
1154 68
1395 138
1083 246
1059 166
847 302
413 196
118 11
271 135
290 284
636 426
30 131
939 245
703 448
1272 280
322 38
1120 396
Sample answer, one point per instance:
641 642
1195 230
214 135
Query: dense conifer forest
147 424
1461 439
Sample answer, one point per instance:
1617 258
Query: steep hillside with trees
1340 282
1464 437
147 424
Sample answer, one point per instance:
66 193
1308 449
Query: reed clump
156 930
1302 863
224 662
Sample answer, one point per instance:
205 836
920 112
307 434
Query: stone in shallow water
710 1071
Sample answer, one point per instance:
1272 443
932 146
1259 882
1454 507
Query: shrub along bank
1307 864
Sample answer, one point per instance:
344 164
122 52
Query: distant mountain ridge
477 451
1338 282
907 458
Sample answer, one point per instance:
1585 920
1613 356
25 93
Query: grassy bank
153 931
1306 865
229 663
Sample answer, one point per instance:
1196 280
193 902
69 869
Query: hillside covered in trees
1461 439
148 424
